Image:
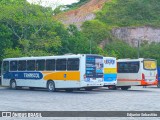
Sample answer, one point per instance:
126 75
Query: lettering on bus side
109 61
23 75
31 75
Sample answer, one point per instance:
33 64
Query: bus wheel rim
51 86
13 84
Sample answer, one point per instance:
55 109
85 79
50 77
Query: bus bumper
110 83
90 84
145 83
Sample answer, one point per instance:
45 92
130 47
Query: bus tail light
84 76
143 76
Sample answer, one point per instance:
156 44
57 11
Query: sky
52 3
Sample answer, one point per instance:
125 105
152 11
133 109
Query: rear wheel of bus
51 86
125 87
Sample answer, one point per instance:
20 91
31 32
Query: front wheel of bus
158 85
13 85
51 86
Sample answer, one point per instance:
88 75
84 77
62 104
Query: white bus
136 72
110 72
53 72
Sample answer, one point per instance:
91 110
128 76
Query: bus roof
138 59
110 57
50 57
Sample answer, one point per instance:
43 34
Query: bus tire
125 87
51 86
13 85
158 85
112 87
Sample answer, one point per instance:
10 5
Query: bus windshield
149 64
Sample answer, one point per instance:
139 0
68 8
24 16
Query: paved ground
102 99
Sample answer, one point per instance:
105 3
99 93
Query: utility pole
138 48
90 44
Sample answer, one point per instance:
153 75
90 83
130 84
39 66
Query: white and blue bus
110 72
53 72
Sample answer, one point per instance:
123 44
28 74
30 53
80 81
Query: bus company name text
31 75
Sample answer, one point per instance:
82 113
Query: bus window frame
74 64
2 68
61 64
25 65
11 66
54 65
129 62
34 65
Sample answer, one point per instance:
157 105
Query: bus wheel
13 85
125 87
112 87
51 86
158 85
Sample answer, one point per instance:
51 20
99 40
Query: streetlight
139 43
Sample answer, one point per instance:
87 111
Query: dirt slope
82 14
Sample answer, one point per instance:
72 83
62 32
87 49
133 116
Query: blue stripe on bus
110 77
23 75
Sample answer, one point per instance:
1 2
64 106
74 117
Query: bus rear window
149 64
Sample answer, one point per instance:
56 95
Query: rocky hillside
131 35
82 14
129 21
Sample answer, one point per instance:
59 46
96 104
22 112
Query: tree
121 50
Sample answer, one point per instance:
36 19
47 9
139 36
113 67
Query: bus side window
50 64
31 65
134 67
126 68
40 65
5 66
13 66
61 64
121 68
73 64
22 65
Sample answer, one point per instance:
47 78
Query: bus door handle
65 75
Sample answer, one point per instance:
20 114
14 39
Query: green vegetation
124 13
119 13
29 30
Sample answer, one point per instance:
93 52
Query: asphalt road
101 99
